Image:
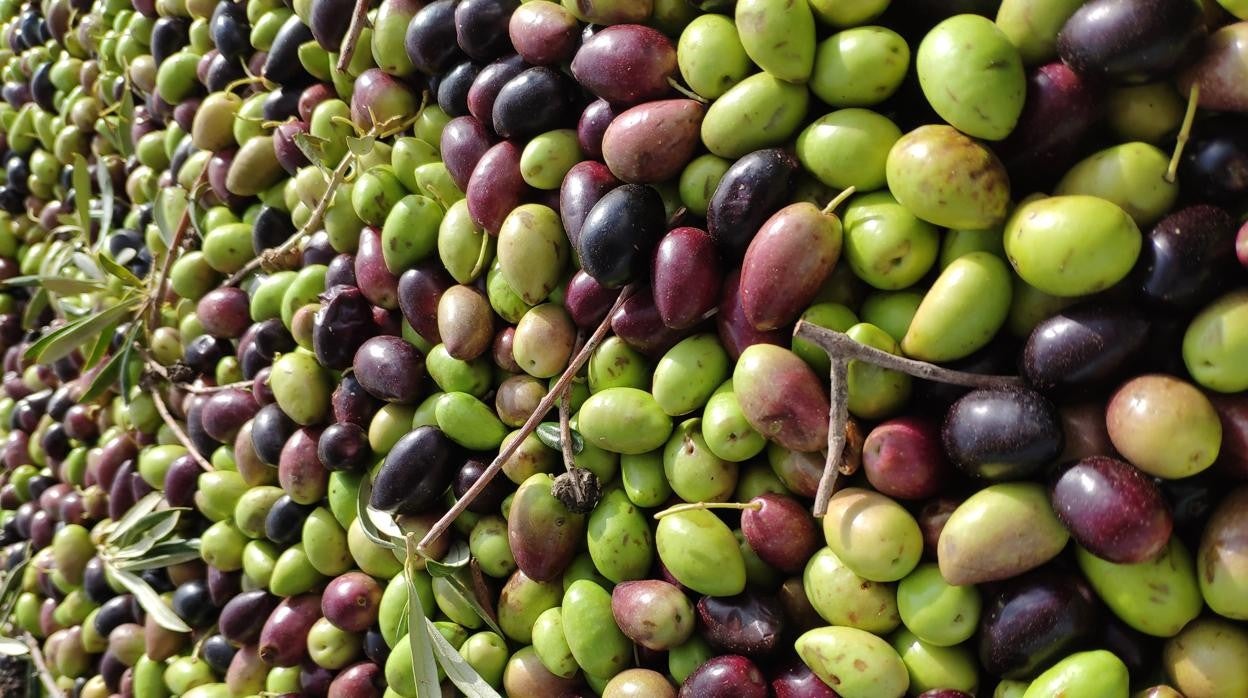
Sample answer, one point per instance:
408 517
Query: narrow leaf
457 669
454 569
109 372
123 368
12 585
424 666
150 601
64 341
548 434
13 648
164 554
88 266
112 267
34 308
361 146
21 281
105 182
312 147
161 220
66 286
147 532
137 512
82 191
456 558
100 347
368 523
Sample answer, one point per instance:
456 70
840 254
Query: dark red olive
780 531
725 676
686 277
750 623
390 369
1115 511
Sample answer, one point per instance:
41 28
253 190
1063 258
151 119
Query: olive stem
841 350
1193 101
178 433
830 209
687 92
543 408
565 421
701 506
359 19
41 667
331 190
162 284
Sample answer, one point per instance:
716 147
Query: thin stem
158 297
1193 101
839 345
841 350
41 667
185 440
565 416
209 389
701 506
838 417
543 408
838 200
686 91
359 19
314 221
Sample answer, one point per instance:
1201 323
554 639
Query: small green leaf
147 532
454 569
123 369
66 286
361 146
457 669
170 552
100 347
105 182
66 339
150 601
137 512
162 223
34 308
367 523
82 189
112 267
127 117
548 433
12 586
312 147
107 375
13 648
424 666
88 266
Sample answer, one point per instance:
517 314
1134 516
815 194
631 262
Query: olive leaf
548 434
11 588
100 347
13 648
125 375
34 308
146 505
457 669
312 147
368 524
112 267
109 372
88 265
170 552
424 666
152 529
82 191
162 221
455 571
150 600
105 182
362 146
64 340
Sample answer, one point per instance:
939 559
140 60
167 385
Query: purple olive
1115 511
750 623
390 369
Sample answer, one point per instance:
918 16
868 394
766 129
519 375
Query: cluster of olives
495 306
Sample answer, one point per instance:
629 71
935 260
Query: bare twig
314 221
185 440
359 20
841 350
543 407
158 297
41 667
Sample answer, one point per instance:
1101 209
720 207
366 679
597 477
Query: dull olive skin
1131 175
701 552
759 112
973 76
781 397
532 251
1025 534
963 310
614 364
779 36
597 643
619 538
843 598
521 601
934 667
1223 571
1164 426
1207 659
624 420
1083 675
860 67
872 535
302 388
1071 245
710 56
948 179
857 663
689 373
1157 597
886 245
543 534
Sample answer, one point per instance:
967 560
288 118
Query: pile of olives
488 312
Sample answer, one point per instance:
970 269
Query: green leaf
124 367
454 569
12 587
88 266
365 514
34 308
107 375
66 286
137 512
13 648
82 187
66 339
548 433
150 601
102 343
162 223
312 147
171 552
147 532
105 182
424 666
457 669
127 117
361 146
112 267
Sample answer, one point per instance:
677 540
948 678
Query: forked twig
543 407
841 349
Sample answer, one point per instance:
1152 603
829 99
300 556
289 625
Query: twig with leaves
841 349
543 408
